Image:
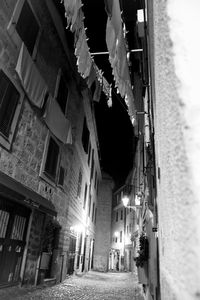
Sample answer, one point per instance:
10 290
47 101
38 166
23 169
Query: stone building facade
103 223
48 148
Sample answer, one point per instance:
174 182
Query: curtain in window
30 77
57 122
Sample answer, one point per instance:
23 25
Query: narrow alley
91 286
99 150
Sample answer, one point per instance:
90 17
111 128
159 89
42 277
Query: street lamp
137 204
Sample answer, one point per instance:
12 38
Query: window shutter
9 97
61 176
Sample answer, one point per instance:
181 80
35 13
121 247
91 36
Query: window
85 136
9 97
121 214
116 216
92 167
85 195
52 157
28 27
97 187
89 153
89 205
95 217
24 26
62 93
10 105
93 207
95 183
61 176
117 199
79 184
120 236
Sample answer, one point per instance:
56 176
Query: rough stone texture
92 286
175 63
24 160
103 230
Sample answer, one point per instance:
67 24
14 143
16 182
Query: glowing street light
137 204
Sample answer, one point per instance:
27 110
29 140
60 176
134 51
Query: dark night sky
115 130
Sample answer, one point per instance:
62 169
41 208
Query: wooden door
72 253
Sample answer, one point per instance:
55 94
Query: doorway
13 225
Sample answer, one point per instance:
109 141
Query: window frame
85 130
6 142
43 174
11 28
120 238
121 214
116 217
58 80
58 180
79 183
85 195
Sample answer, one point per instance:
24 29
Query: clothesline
106 52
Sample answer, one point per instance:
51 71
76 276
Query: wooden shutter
9 97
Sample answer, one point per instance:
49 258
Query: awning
14 190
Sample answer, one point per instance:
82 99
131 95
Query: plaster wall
175 67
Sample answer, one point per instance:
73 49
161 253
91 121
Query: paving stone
91 286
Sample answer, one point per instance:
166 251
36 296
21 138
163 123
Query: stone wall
103 225
24 160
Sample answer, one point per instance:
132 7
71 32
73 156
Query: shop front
22 218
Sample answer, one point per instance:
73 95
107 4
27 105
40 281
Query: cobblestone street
92 286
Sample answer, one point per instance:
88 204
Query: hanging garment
71 11
58 124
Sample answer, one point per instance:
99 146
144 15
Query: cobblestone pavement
91 286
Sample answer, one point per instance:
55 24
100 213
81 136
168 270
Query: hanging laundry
92 76
116 46
98 90
109 102
56 121
71 11
108 7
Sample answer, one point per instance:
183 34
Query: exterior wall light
77 228
125 201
